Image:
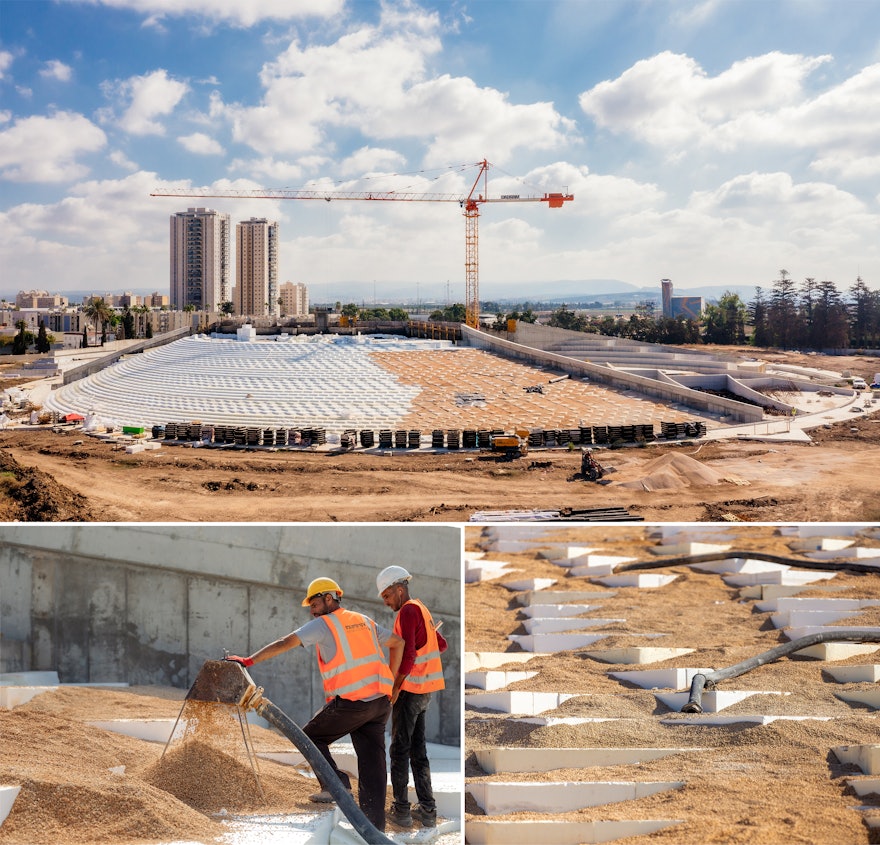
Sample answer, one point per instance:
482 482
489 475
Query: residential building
294 299
256 267
40 299
200 264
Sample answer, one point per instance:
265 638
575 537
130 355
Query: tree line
810 315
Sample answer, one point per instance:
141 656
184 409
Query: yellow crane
470 204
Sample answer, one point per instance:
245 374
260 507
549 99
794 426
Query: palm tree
97 310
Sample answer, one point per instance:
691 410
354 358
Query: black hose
329 779
701 681
687 560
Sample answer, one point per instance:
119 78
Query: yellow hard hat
320 586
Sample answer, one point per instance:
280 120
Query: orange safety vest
358 670
426 674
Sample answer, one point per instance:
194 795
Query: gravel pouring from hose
701 681
228 682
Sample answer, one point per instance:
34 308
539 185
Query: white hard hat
391 575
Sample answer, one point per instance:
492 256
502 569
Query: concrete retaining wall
149 604
665 392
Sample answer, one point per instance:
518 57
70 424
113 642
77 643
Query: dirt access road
48 477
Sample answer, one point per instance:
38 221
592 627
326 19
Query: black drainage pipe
708 680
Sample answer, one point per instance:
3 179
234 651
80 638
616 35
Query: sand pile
673 472
80 784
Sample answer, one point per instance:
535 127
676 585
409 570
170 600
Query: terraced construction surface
783 767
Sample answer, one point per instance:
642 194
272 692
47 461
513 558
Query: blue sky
713 142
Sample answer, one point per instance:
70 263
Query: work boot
401 818
428 818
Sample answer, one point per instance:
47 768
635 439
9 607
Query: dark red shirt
412 629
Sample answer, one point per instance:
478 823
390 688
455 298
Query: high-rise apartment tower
256 267
199 259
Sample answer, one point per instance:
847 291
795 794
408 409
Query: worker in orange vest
358 684
419 674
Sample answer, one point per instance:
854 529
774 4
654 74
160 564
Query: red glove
243 661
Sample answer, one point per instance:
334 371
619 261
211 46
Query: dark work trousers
408 749
365 722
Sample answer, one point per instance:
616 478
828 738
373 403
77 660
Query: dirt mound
31 495
205 778
674 471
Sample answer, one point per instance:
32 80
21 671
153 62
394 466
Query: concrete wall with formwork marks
149 604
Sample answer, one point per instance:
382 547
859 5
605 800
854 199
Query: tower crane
470 204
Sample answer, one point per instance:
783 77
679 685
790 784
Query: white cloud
120 159
848 166
233 12
56 69
375 81
669 100
45 149
144 99
201 144
6 59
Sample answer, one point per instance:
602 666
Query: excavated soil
81 784
71 476
764 784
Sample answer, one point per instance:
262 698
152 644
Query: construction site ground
82 783
827 475
770 784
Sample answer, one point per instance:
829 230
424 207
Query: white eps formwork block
560 554
553 611
480 832
659 678
535 598
870 697
560 624
8 794
786 577
812 544
789 603
866 757
863 673
806 618
553 643
474 660
688 548
838 651
29 679
517 701
644 580
712 701
11 697
498 798
796 632
739 564
864 786
493 679
713 720
528 584
503 759
636 655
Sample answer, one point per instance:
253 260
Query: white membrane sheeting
320 381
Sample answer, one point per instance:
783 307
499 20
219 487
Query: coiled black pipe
701 681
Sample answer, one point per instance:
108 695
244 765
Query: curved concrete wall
149 604
664 391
